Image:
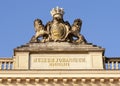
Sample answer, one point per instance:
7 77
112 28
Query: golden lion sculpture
75 31
40 31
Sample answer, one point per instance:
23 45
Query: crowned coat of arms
58 30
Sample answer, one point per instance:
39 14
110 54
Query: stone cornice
40 77
61 73
58 47
112 59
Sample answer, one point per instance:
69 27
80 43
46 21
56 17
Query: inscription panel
58 61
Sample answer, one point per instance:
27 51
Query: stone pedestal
58 55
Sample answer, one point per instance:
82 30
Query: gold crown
57 10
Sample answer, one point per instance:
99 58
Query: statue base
58 55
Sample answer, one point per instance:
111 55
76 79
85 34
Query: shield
58 31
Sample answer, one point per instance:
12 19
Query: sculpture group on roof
58 30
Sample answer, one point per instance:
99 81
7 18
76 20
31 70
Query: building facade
59 55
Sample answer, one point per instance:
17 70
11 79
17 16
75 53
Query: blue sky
101 21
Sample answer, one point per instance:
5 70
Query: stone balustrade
112 63
6 63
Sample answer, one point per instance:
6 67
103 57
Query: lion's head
77 22
76 27
37 22
38 25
